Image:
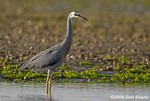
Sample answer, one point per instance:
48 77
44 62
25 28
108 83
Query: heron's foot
50 83
47 87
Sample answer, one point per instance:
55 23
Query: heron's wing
46 58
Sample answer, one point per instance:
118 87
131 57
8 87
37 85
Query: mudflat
117 31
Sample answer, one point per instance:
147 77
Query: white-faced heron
54 56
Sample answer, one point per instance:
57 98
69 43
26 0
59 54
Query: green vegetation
85 63
139 73
112 47
11 73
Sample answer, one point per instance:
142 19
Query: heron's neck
69 30
68 38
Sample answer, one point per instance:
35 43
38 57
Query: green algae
132 27
85 63
140 73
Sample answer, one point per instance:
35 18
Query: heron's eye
75 14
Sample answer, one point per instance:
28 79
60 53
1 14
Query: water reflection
70 92
34 98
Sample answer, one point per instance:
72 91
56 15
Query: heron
54 56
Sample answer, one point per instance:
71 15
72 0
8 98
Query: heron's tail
23 65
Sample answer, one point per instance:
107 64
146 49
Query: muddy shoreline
117 34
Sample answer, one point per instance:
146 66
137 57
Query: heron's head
76 15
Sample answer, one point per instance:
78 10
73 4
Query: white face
73 14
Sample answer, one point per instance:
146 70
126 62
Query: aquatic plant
127 74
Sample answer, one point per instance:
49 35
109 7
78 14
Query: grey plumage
52 57
47 59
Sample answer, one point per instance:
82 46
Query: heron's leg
50 83
47 83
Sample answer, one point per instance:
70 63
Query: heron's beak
83 17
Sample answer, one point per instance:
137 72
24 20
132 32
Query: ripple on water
69 92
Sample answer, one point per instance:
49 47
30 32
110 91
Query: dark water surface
74 92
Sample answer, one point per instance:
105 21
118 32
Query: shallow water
74 92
